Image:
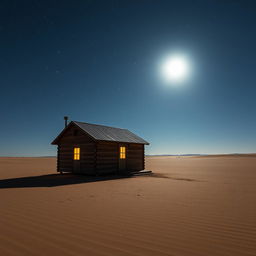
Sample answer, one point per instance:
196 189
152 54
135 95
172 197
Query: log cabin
97 149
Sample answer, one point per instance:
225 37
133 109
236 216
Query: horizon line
189 154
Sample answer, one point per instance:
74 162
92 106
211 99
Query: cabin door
122 158
76 166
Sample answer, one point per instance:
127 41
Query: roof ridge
105 133
100 125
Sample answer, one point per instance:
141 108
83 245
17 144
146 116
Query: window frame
122 152
76 153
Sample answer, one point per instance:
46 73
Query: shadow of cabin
54 180
96 149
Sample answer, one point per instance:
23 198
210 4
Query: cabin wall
100 157
74 137
135 157
107 157
65 158
87 158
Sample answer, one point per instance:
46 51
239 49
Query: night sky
98 62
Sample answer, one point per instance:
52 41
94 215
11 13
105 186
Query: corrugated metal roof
107 133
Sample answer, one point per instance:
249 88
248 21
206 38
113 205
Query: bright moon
175 69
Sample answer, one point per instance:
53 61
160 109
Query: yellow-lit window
122 153
76 153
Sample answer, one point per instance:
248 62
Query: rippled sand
193 206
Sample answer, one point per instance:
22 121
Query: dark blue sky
97 61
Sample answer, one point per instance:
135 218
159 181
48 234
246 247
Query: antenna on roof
66 121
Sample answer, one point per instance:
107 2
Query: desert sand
191 206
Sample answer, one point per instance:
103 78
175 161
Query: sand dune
191 206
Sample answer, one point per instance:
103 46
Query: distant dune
190 206
210 155
232 155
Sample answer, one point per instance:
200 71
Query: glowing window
122 153
76 153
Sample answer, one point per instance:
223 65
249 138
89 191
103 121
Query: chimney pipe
66 121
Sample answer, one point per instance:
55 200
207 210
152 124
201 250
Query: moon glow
175 69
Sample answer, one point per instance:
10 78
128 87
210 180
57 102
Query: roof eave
54 142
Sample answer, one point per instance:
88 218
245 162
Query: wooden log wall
58 158
74 137
87 158
107 157
135 157
65 158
